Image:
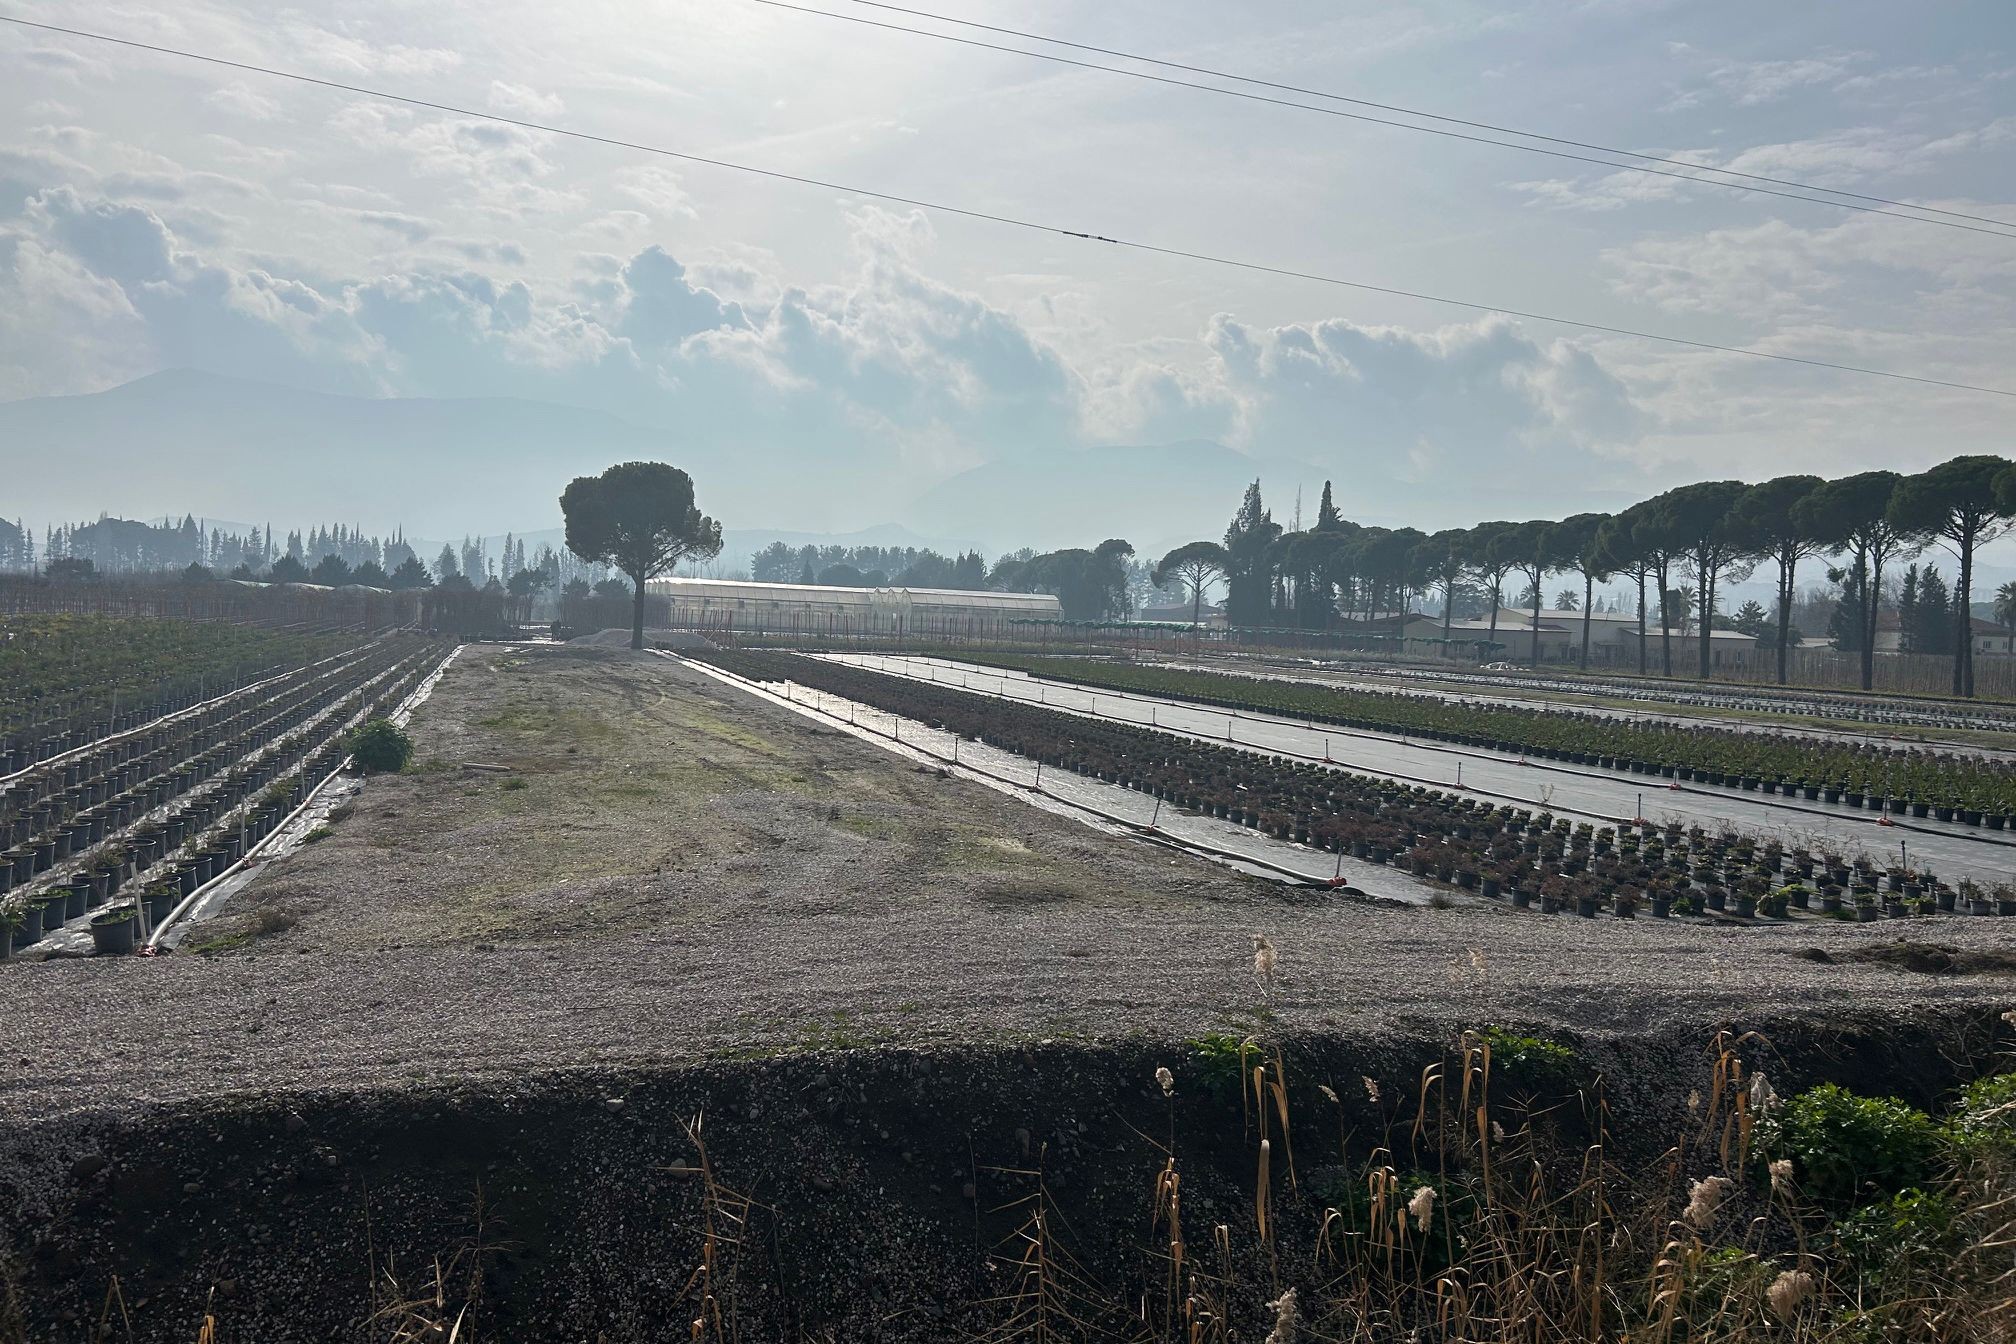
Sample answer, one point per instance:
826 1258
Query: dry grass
1466 1226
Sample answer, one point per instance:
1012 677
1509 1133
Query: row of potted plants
66 680
1507 851
202 833
62 808
1903 780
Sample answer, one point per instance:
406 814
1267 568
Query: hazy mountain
1155 496
241 449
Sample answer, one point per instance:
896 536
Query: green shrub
1843 1145
1530 1059
380 745
1221 1062
1984 1121
1902 1241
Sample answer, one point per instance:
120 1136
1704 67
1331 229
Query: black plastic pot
160 904
114 932
29 930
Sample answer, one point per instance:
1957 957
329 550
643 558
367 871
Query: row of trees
867 566
125 545
1685 545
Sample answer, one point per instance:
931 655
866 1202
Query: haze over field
194 261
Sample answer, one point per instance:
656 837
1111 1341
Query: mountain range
222 447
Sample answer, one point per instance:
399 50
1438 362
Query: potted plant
113 930
161 898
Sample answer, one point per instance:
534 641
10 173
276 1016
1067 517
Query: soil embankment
874 1194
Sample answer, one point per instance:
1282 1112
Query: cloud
1455 400
1851 157
891 375
411 228
658 190
522 100
1752 83
241 100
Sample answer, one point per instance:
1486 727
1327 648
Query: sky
161 214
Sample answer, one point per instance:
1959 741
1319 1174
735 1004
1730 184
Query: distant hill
229 447
1155 496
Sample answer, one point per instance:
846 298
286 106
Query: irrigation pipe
1776 802
402 714
1374 772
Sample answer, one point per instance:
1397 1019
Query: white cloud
242 100
523 100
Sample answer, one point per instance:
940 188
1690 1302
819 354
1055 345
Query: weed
515 783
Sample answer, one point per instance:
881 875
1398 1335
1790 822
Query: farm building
793 608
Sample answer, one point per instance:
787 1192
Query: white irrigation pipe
187 710
1776 802
401 715
1266 749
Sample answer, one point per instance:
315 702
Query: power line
965 212
1390 107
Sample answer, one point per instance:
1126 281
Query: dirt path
657 869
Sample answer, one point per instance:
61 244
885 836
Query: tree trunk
637 613
1787 562
1643 648
1872 596
1705 599
1588 600
1665 624
1963 652
1536 619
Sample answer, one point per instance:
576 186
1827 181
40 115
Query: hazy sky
156 214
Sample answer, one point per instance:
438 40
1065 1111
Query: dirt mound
1931 958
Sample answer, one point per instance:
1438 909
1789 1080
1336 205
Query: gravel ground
656 869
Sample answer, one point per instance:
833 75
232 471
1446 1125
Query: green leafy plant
1983 1124
380 746
1221 1061
1531 1059
1899 1242
1844 1145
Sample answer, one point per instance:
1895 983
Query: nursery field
65 680
116 822
605 857
629 958
1973 788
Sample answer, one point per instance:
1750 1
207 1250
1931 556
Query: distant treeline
867 567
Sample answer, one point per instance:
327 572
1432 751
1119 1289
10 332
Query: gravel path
681 871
